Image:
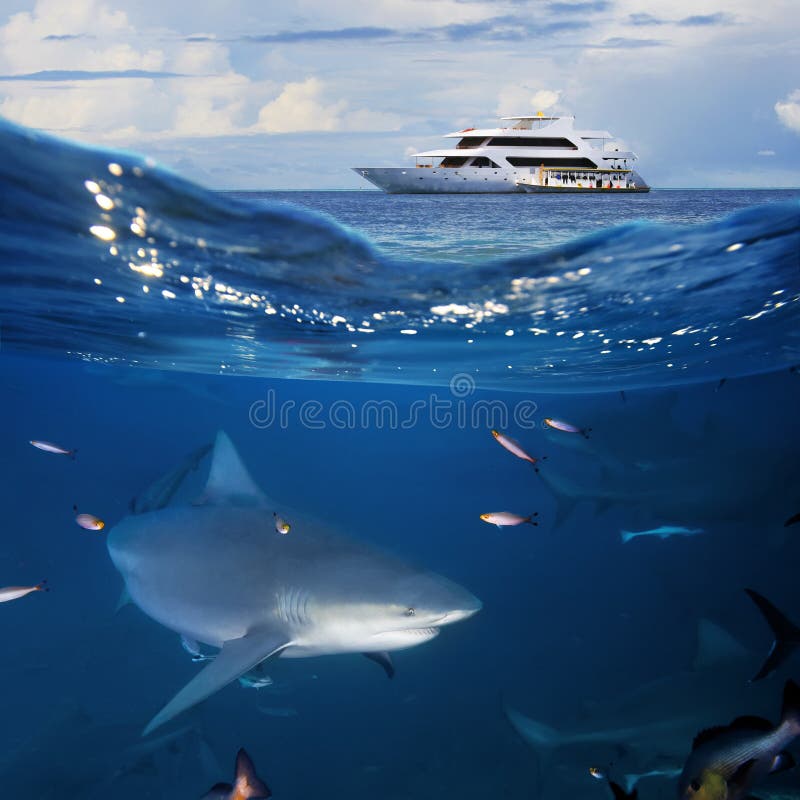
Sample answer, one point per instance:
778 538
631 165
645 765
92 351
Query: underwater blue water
667 323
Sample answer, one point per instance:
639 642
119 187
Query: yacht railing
580 178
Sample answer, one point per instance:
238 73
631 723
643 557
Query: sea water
359 348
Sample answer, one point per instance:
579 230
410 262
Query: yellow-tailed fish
246 786
49 447
597 773
508 518
566 427
88 522
15 592
281 525
514 447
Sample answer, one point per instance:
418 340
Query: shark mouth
427 632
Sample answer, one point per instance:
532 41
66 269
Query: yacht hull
422 180
426 180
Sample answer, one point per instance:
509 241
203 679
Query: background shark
652 726
217 572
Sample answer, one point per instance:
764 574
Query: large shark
219 573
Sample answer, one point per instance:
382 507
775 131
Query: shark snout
467 607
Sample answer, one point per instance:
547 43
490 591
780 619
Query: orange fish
247 785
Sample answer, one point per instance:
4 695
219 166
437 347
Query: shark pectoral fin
384 660
236 657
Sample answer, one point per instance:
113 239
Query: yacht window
482 161
531 141
470 141
517 161
452 161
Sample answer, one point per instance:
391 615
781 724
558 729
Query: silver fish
566 427
49 447
15 592
508 518
513 446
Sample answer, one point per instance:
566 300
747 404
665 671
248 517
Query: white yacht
535 154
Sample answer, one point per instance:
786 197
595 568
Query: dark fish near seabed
727 761
246 786
793 520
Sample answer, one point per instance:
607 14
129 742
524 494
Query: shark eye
695 785
410 611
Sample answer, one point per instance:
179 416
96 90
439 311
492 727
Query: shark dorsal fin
716 646
229 482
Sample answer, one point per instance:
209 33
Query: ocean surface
359 349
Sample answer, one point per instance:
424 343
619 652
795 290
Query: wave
108 257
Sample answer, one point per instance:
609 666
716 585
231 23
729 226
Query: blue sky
251 94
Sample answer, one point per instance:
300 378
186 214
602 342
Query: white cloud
302 106
788 111
210 98
545 98
765 153
524 100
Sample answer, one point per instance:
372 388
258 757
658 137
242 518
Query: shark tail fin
626 536
787 635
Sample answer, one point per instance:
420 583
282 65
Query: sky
248 94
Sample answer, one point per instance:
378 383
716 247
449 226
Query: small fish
566 427
49 447
793 520
597 773
193 649
622 396
274 711
721 383
247 785
664 532
250 681
514 447
507 518
281 525
727 761
15 592
88 522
